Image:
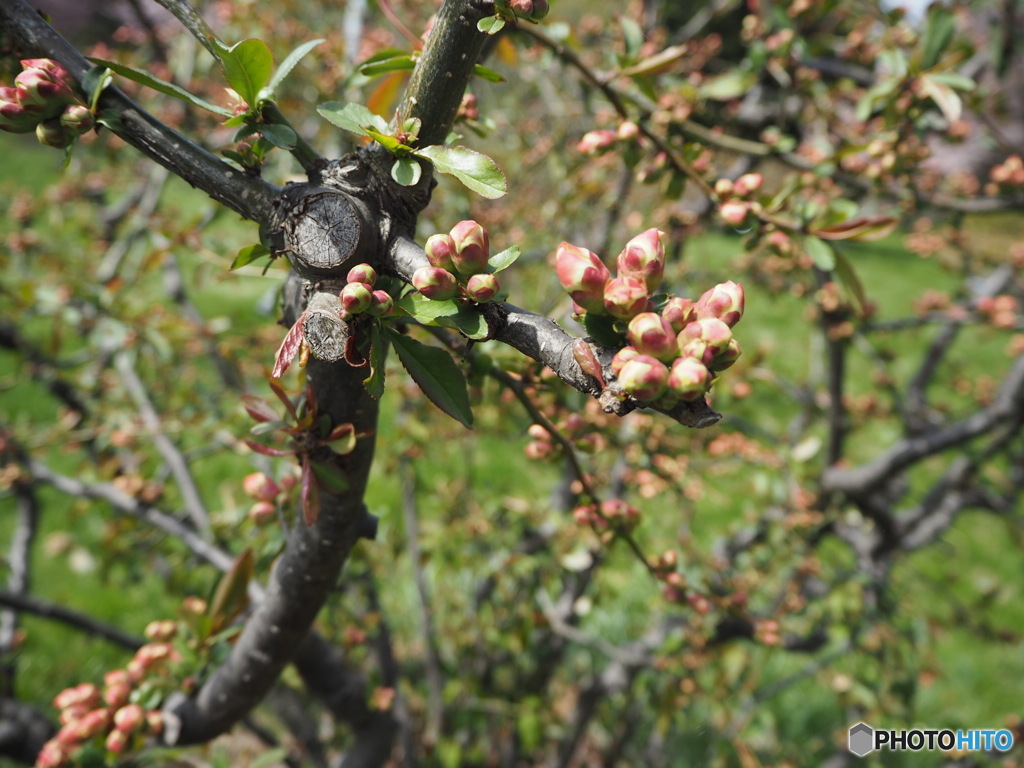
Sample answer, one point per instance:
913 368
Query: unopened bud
748 183
540 9
652 335
522 8
723 188
627 130
160 631
482 288
82 695
734 212
644 258
129 718
472 247
727 357
625 297
362 273
381 304
116 695
154 721
583 275
439 250
194 605
356 297
262 512
14 118
708 329
53 755
725 301
39 92
260 487
52 134
644 377
117 741
679 312
435 283
689 378
596 141
92 724
622 357
77 119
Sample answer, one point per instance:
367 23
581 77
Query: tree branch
47 610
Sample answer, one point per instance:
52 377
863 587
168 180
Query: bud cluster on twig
43 100
676 346
459 265
358 295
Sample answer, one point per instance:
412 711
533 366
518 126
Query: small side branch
47 610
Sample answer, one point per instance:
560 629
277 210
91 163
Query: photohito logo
863 739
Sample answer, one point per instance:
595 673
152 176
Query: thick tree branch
18 577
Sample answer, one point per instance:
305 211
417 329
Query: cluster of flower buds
535 10
574 428
358 295
1000 310
458 265
43 100
266 495
111 717
599 141
735 205
672 354
608 518
1009 173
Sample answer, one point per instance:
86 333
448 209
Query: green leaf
288 65
389 142
387 53
938 33
374 383
726 86
397 64
945 98
406 171
848 277
329 477
491 25
93 83
487 74
169 89
249 254
953 80
351 117
633 35
446 314
281 136
437 375
247 67
503 260
821 253
232 597
475 170
601 329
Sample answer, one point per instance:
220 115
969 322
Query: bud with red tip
129 718
117 741
689 378
52 134
53 68
644 377
82 695
596 141
435 283
356 297
734 212
154 721
522 8
260 487
53 755
91 724
161 631
708 329
439 250
42 92
381 304
644 258
77 119
652 335
625 297
622 357
725 301
482 288
13 117
362 273
472 247
583 275
727 357
262 512
679 312
748 183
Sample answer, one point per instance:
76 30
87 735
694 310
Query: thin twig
71 617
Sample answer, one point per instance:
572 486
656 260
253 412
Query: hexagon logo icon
861 739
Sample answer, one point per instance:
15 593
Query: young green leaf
938 33
247 67
406 171
330 478
397 64
437 375
231 597
352 117
288 65
487 74
821 253
491 25
850 280
169 89
446 314
389 142
477 171
281 136
503 260
93 83
374 383
601 329
249 254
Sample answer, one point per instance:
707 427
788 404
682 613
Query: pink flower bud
38 91
194 605
644 258
482 288
538 450
625 297
734 212
627 131
116 695
435 283
697 349
260 487
82 695
262 512
92 724
723 188
53 68
620 514
52 134
522 8
727 357
439 250
689 378
583 276
76 119
652 335
748 183
362 273
129 718
356 297
725 301
472 247
13 117
117 741
678 312
154 721
160 631
115 677
53 755
381 304
595 141
644 377
708 329
622 357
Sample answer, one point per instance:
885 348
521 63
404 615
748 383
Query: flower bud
538 450
52 134
439 250
697 349
727 357
689 378
708 329
129 718
53 755
53 68
734 212
595 141
540 9
381 304
627 130
644 258
482 288
620 514
260 487
154 721
679 312
84 694
92 724
652 335
262 512
161 631
725 301
625 297
622 357
356 297
435 283
522 8
76 119
194 605
583 276
39 92
723 188
13 117
116 695
117 741
472 247
644 377
362 273
748 183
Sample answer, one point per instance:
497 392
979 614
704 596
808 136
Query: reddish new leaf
289 348
266 450
310 493
283 397
864 229
258 408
